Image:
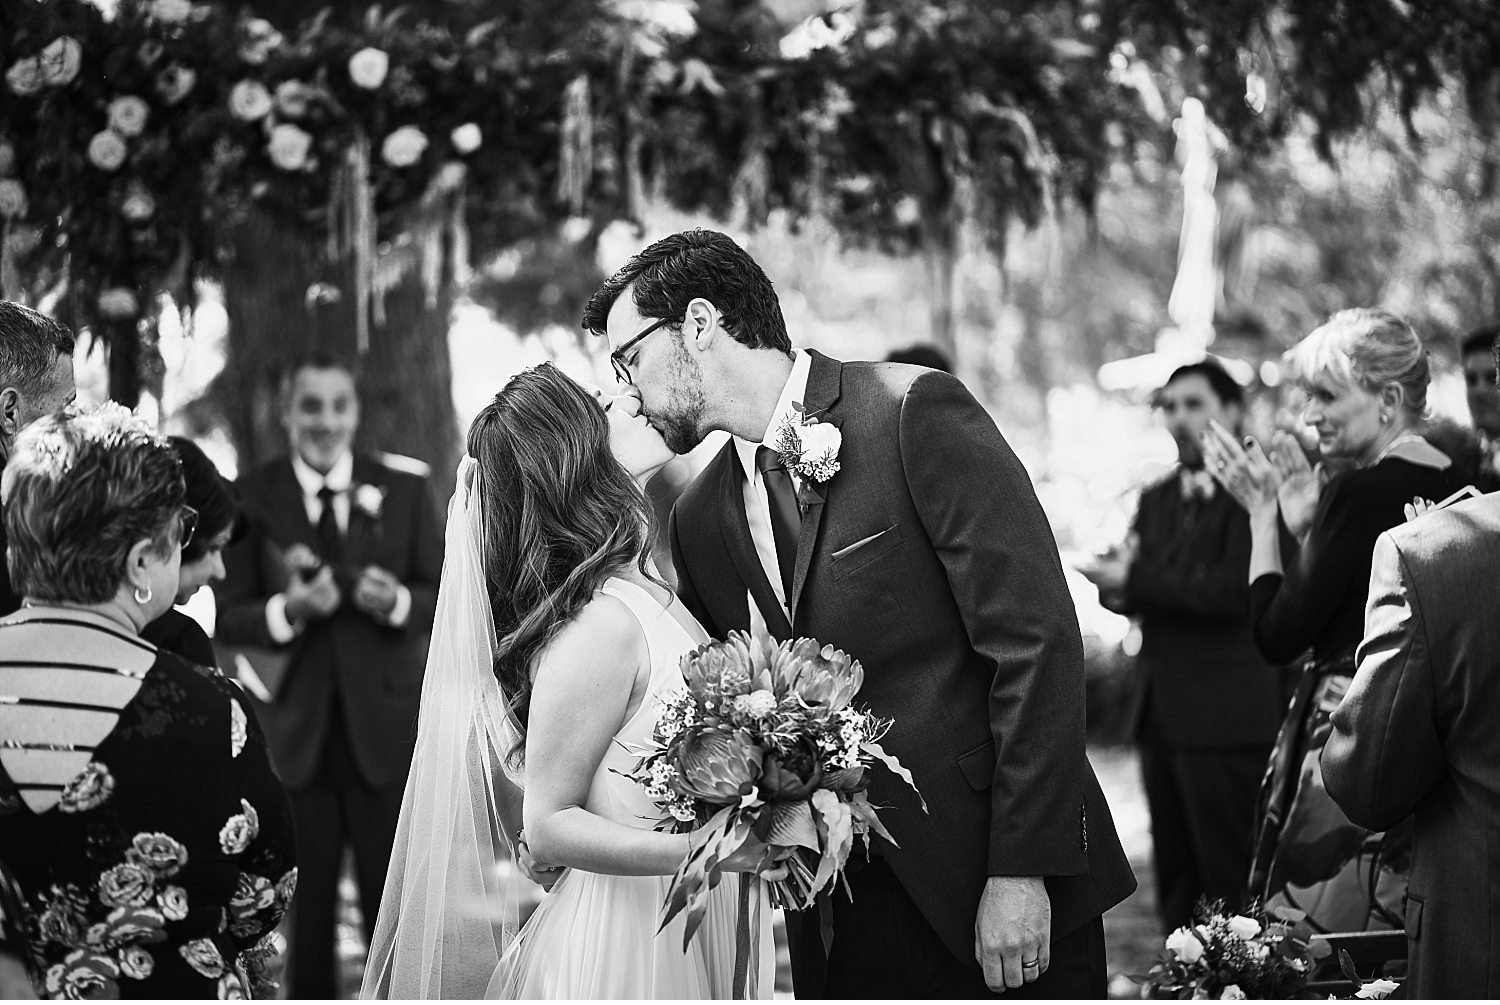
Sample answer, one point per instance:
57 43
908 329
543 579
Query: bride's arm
583 687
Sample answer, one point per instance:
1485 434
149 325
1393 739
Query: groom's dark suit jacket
928 558
374 671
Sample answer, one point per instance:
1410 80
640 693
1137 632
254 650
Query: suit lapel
288 517
359 540
824 381
741 548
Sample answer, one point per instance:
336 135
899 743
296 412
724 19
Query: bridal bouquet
764 746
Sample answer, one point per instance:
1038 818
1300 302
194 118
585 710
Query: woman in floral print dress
139 812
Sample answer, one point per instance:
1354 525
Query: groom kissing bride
876 508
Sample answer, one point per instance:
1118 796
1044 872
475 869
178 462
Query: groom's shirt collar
795 390
340 478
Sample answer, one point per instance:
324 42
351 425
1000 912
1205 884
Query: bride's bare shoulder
603 636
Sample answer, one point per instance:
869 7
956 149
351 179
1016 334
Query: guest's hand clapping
1246 472
1301 483
311 592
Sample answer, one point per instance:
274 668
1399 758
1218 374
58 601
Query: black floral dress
166 862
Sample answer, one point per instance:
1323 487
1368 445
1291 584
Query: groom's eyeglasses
621 364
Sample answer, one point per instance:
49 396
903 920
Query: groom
925 555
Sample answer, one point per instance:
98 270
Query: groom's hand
1014 928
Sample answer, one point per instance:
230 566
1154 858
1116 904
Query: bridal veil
451 900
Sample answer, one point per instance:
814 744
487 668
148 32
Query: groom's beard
680 420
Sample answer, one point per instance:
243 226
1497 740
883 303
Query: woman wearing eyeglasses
218 523
138 809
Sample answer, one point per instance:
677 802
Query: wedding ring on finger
1031 964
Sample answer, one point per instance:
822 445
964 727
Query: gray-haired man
36 379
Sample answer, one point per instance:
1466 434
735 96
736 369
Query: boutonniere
809 448
369 500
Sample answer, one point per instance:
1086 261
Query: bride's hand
754 856
635 442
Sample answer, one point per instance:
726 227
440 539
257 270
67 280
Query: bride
553 642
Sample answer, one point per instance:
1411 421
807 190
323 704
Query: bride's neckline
670 606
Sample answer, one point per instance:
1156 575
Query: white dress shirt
340 479
757 502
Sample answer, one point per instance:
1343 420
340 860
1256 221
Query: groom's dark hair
697 263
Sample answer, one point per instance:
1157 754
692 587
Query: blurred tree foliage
1036 133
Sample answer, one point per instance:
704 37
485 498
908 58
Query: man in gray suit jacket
926 556
1417 734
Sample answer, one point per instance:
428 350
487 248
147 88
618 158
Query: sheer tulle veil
449 908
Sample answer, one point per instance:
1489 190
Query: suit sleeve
1292 610
1170 577
1385 754
241 596
978 508
426 560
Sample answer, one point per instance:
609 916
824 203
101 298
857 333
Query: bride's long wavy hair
560 517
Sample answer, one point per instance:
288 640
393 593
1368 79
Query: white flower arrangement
368 67
107 150
404 147
466 138
128 115
288 147
809 448
249 100
12 198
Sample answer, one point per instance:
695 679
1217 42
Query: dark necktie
330 542
786 519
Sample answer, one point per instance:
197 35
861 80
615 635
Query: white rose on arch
171 11
107 150
24 78
7 158
128 115
404 147
61 61
175 83
138 206
249 100
289 147
12 199
466 138
118 304
293 98
368 67
261 37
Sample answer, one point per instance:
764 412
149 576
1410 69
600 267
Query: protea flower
717 766
827 677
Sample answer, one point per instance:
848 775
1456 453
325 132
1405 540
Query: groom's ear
702 323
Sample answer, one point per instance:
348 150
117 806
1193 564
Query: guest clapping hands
1365 376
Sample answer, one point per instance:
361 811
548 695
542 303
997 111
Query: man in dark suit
1209 705
1477 356
36 379
1416 734
339 575
925 555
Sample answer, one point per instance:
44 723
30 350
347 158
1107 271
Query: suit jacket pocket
853 557
978 766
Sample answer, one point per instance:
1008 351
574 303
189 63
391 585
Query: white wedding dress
595 936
